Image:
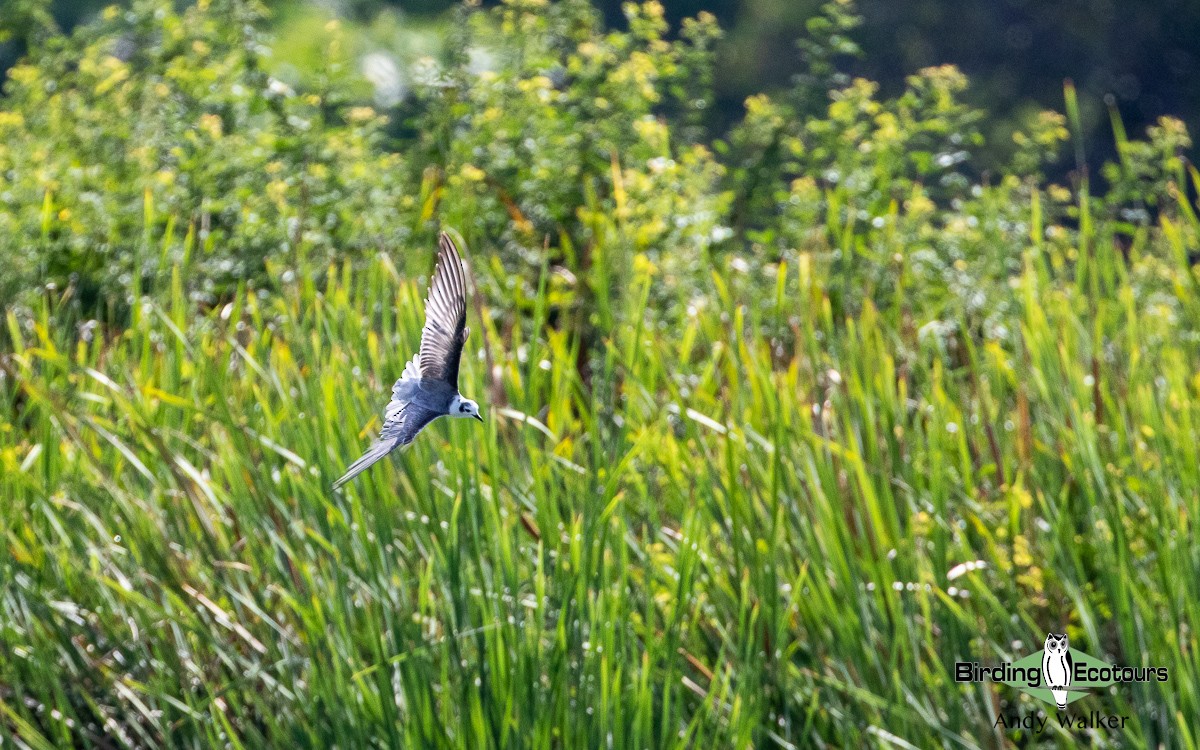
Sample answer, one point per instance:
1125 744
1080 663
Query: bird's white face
464 407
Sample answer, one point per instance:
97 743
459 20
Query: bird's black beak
480 418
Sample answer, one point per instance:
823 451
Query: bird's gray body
415 403
428 388
434 395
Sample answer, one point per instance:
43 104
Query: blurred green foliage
1136 56
155 137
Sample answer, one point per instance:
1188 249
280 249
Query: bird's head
464 407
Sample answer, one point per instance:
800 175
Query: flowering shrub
155 138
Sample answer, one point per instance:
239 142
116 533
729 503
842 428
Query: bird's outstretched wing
442 341
445 329
402 421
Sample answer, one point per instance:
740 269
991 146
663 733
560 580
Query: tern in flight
428 388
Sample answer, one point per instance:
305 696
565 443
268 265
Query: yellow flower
472 173
23 74
652 131
919 204
1021 552
212 125
536 83
1059 194
277 190
643 265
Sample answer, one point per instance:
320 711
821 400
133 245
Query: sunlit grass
711 536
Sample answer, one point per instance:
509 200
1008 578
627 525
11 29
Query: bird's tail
373 454
1060 698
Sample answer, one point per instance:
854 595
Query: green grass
727 533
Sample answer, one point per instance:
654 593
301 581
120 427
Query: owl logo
1057 667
